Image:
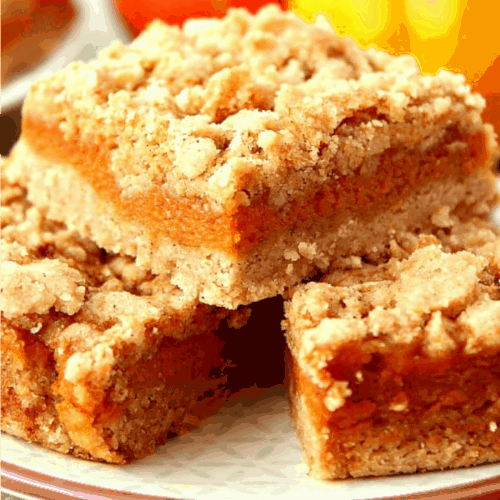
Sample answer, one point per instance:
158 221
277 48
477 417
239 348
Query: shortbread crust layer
245 147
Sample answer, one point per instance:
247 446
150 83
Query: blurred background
42 36
39 36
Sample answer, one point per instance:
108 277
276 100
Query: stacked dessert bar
159 189
395 368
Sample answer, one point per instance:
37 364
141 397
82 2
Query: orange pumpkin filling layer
395 405
241 228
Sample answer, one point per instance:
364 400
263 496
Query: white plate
95 27
247 451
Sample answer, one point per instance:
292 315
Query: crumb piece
240 318
291 255
336 395
307 250
441 218
399 403
37 287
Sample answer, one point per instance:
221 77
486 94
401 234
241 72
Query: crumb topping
39 286
434 302
231 109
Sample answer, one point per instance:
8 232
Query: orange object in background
489 86
138 14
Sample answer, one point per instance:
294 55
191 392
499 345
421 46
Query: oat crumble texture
100 359
395 368
237 156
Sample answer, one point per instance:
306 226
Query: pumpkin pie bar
395 368
240 155
99 358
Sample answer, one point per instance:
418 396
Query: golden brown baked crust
99 358
239 154
395 368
